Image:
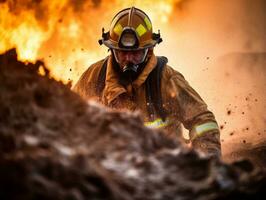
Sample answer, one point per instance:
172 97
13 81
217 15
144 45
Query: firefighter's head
130 38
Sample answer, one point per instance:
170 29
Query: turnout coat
181 102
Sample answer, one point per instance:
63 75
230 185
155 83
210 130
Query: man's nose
128 56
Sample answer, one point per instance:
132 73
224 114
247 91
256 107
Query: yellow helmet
131 29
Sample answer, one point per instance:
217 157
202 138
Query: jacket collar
145 73
112 87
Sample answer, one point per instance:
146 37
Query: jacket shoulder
92 72
88 79
170 73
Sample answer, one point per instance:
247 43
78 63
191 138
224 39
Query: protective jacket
181 102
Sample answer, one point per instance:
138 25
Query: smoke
220 47
214 28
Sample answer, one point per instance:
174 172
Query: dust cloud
220 47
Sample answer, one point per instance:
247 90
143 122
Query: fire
64 34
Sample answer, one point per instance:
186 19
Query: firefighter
134 79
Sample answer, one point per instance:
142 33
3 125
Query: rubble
54 145
256 153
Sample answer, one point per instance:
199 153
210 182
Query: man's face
125 57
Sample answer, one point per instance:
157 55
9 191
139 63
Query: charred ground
53 145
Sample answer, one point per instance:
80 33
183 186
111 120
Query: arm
192 111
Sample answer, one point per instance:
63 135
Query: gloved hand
209 144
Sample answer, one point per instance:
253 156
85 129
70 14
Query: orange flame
65 34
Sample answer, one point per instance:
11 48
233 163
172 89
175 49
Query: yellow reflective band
148 23
158 123
200 129
118 29
141 30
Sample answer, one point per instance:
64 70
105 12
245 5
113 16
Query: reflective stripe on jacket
180 100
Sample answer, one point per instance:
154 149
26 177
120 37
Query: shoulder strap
101 78
153 89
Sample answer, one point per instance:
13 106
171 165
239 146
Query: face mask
129 73
131 66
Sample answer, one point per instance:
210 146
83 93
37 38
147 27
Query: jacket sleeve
192 111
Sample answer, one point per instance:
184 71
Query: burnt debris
53 145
